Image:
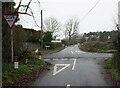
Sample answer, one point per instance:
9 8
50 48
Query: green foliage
99 41
106 51
11 76
114 71
96 46
19 39
47 38
55 45
33 35
116 61
116 58
71 41
101 36
82 40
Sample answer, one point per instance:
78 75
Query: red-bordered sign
10 19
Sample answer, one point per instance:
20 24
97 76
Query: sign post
10 19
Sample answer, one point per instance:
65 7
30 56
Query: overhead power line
90 10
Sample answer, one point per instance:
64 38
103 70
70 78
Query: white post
16 65
40 57
16 62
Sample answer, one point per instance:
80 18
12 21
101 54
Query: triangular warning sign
63 66
10 19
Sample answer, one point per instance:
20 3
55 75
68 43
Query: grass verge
106 51
13 76
114 72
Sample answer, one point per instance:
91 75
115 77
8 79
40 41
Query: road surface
74 52
73 67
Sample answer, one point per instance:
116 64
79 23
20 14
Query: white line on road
76 51
72 59
72 52
55 68
64 59
74 64
55 59
68 86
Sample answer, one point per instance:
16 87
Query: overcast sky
99 19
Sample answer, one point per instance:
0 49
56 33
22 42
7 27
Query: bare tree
24 8
52 25
71 27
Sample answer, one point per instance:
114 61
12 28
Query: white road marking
55 59
74 64
46 59
72 52
55 68
76 51
71 59
68 86
64 59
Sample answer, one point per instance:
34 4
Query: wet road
72 67
74 52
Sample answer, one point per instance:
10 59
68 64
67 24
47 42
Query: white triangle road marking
55 68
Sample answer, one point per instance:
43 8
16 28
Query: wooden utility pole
41 30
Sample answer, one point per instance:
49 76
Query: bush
116 61
55 45
113 68
96 46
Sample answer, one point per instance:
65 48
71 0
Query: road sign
10 19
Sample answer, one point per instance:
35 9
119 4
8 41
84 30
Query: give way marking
55 71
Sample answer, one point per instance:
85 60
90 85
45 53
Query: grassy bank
13 76
100 47
26 71
114 71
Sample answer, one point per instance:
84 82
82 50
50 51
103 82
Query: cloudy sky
101 18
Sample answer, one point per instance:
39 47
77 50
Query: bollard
26 61
39 55
16 62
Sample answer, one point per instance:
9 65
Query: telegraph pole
41 30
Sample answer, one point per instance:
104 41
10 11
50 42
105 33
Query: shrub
96 46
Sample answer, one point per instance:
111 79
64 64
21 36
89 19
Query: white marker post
40 55
16 62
